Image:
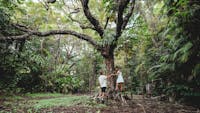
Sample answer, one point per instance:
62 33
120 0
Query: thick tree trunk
108 54
110 68
109 64
112 94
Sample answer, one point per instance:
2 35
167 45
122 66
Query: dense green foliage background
160 46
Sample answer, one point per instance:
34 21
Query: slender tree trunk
41 46
94 76
57 52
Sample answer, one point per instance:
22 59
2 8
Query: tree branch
57 32
122 4
22 27
91 18
129 14
107 20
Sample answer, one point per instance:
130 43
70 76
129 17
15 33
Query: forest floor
59 103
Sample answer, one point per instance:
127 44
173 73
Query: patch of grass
11 97
38 101
68 100
39 95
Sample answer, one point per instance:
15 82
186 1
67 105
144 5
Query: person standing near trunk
120 80
103 84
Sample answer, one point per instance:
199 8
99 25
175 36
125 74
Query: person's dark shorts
103 89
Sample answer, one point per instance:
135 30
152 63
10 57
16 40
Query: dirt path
137 105
122 109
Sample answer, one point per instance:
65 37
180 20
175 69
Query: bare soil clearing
142 106
136 105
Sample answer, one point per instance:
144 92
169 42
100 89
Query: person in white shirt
120 80
103 84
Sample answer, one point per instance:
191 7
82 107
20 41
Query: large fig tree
121 11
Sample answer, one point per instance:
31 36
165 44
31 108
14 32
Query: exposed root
142 107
